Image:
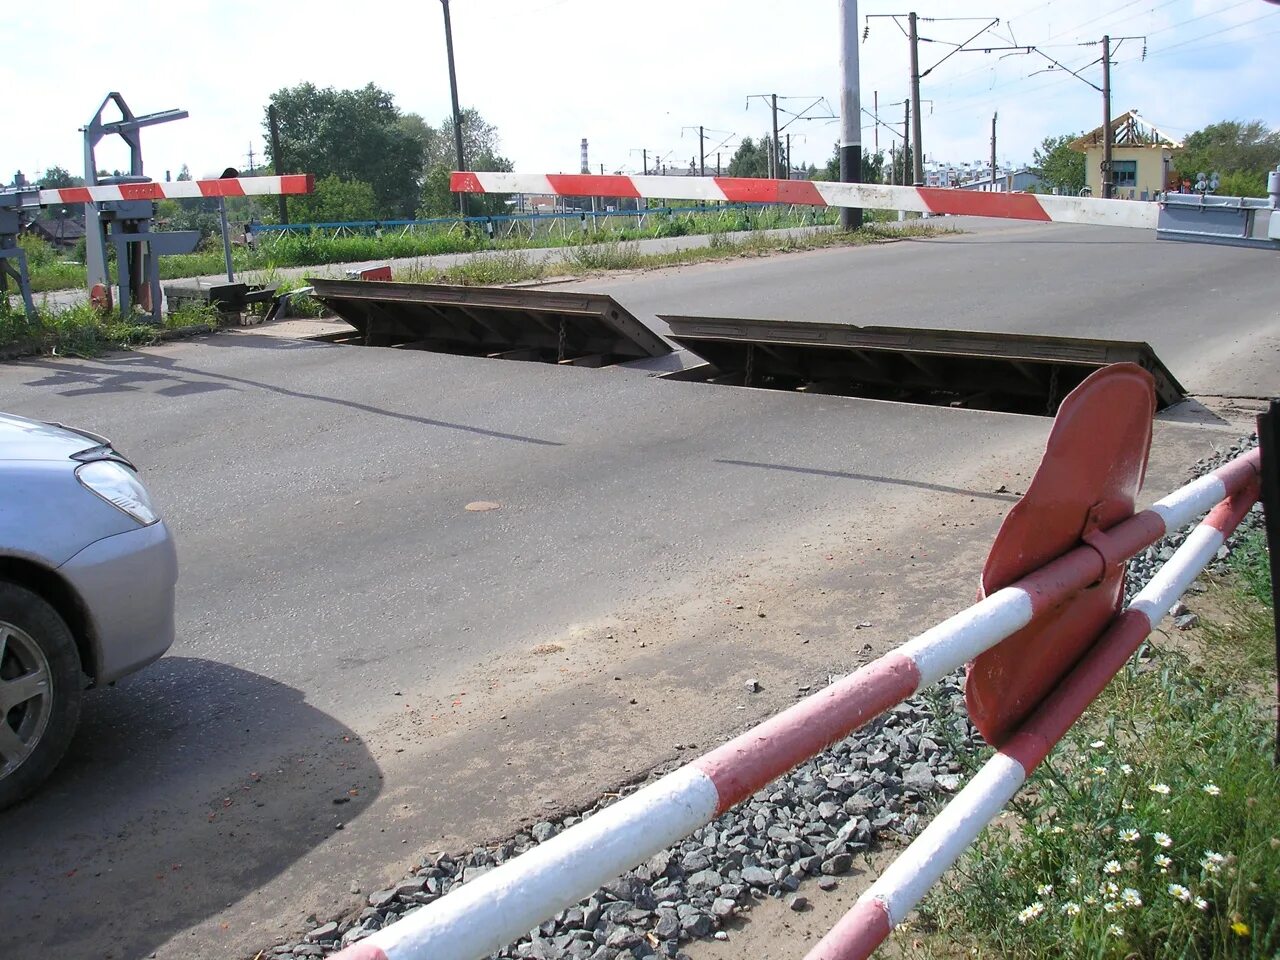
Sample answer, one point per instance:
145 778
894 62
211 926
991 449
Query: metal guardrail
506 224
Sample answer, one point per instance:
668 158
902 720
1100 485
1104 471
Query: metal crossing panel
581 329
956 367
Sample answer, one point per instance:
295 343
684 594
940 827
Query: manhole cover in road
480 506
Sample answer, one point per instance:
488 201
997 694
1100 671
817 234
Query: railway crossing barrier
1209 219
120 215
1054 587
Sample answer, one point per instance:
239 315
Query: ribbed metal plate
508 322
911 358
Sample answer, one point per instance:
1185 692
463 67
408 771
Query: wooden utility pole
453 92
277 157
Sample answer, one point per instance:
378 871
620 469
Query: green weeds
1154 832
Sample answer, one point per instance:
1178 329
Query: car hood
23 439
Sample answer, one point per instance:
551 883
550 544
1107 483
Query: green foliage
83 331
55 178
1231 147
751 159
45 265
1252 566
352 135
480 150
872 166
336 200
1057 165
1155 830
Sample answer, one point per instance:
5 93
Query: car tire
39 715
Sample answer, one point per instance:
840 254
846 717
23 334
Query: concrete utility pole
453 91
774 97
906 137
1108 181
993 150
850 110
917 161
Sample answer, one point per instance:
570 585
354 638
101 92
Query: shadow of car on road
187 787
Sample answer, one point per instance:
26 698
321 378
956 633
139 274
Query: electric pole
993 150
906 141
1107 179
913 36
773 98
453 91
850 110
917 170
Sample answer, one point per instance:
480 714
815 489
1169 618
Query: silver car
87 577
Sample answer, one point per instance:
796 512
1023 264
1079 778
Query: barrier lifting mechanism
120 215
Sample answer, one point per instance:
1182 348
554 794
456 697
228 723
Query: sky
627 76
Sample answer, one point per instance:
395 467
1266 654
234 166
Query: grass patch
50 271
81 331
1154 830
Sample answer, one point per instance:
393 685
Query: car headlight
120 487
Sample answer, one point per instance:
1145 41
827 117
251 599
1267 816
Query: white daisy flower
1131 898
1179 892
1130 835
1160 788
1098 744
1045 889
1111 866
1212 789
1115 930
1029 913
1163 862
1126 769
1071 908
1162 840
1201 903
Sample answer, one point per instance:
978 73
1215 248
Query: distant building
1007 181
1141 158
63 233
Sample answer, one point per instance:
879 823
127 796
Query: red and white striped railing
909 877
183 189
484 915
935 200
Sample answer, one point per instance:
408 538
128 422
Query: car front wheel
40 690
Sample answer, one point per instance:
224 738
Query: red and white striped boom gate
484 915
290 184
934 200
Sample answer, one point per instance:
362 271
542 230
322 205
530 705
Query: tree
336 200
55 178
1240 152
480 151
184 173
354 135
872 166
751 159
1057 165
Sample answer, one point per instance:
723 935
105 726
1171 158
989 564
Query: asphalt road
365 669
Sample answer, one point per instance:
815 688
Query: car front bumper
126 583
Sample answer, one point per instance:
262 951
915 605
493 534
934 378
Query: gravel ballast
877 785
